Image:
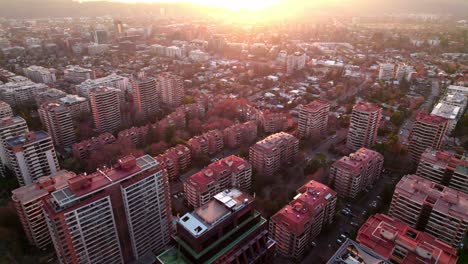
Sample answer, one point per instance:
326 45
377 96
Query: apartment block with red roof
363 126
444 168
428 132
402 244
229 172
298 223
353 173
236 135
435 209
273 122
313 119
208 143
83 149
175 160
267 155
134 135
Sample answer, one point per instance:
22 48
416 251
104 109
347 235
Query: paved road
325 144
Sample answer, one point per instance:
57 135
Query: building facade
428 132
114 215
171 89
313 119
105 105
297 224
364 123
145 96
40 74
435 209
444 168
58 121
31 156
401 244
267 155
352 174
10 127
28 201
226 173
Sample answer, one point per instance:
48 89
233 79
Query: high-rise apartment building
84 148
49 95
115 81
58 121
28 201
39 74
435 209
10 127
171 89
5 110
267 155
428 132
226 230
313 119
114 215
404 71
387 71
105 105
145 96
209 143
77 74
401 244
31 156
444 168
364 123
298 223
295 62
226 173
20 92
353 173
77 105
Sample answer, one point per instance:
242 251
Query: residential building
208 143
20 93
28 201
40 74
77 74
175 160
352 174
364 123
444 168
449 112
295 62
404 71
31 156
401 244
267 155
115 81
274 122
76 104
114 215
57 119
171 89
5 110
10 127
105 105
226 230
313 119
83 149
145 96
49 95
430 207
351 252
240 134
226 173
387 71
428 132
297 224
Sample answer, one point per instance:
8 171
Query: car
313 244
175 196
354 224
378 197
339 241
364 212
348 205
345 212
343 237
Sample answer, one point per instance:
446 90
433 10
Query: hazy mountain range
70 8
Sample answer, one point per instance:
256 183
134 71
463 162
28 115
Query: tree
188 99
397 118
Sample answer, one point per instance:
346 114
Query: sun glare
228 4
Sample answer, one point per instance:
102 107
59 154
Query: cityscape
234 132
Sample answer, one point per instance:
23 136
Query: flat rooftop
209 215
26 138
445 110
352 252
